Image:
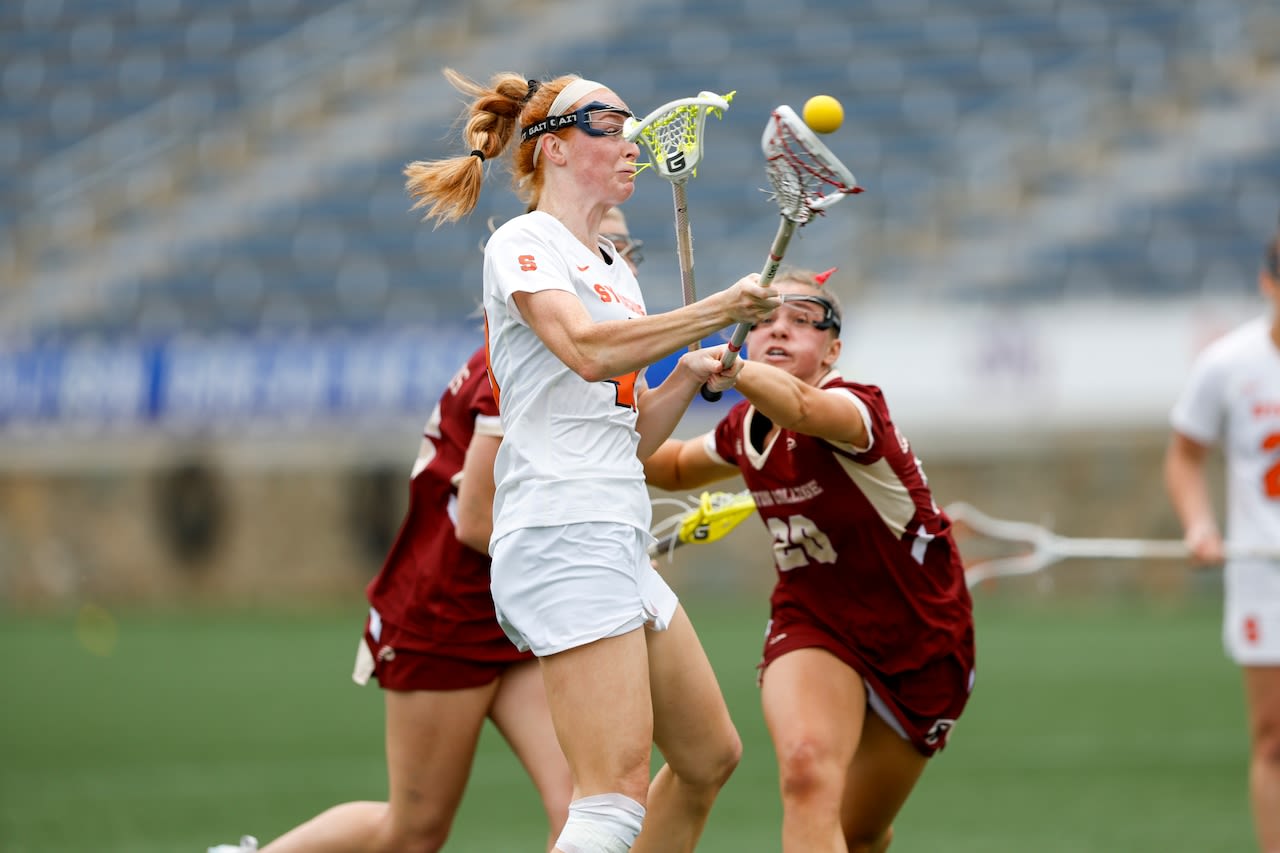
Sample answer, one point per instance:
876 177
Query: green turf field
1116 728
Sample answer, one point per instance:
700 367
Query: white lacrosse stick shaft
1048 547
786 227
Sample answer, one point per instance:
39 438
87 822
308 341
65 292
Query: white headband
568 96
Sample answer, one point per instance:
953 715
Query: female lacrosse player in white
869 654
1232 396
569 339
434 644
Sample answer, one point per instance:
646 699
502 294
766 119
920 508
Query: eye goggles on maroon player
830 317
629 247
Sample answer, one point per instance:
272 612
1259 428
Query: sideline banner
977 376
227 383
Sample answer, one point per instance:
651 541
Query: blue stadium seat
939 95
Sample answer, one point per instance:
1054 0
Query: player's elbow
797 415
809 411
589 362
661 477
597 355
592 370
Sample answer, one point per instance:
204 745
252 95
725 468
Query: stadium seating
123 119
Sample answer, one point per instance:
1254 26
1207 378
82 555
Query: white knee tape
604 823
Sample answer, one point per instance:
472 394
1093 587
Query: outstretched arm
597 351
681 465
794 404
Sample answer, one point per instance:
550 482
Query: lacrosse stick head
972 526
673 133
706 518
805 176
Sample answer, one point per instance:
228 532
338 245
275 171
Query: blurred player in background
569 339
433 641
869 654
434 645
1232 397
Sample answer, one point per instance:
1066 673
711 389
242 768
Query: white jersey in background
1232 398
569 454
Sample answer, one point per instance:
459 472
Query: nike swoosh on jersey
584 269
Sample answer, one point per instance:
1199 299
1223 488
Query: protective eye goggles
627 246
593 119
830 318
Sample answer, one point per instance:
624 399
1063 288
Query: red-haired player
434 643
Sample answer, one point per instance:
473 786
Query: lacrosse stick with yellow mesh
673 135
705 518
806 179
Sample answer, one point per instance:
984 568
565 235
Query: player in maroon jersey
433 641
869 655
435 647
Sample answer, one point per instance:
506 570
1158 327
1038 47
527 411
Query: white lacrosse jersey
569 452
1232 399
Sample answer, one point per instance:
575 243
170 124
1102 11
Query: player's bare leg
814 706
521 715
431 740
599 699
695 734
885 769
1262 697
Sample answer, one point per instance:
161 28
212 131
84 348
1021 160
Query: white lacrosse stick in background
1048 547
673 135
806 179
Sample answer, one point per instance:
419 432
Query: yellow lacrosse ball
823 113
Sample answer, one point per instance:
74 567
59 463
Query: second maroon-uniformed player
434 645
431 619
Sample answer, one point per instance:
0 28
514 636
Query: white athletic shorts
556 588
1251 617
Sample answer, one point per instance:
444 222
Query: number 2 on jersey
625 393
797 541
1271 479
